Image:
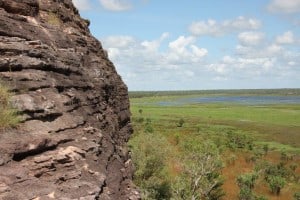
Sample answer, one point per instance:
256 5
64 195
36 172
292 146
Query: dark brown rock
22 7
71 143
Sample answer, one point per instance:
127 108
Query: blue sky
199 44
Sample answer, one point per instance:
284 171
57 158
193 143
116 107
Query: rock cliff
75 118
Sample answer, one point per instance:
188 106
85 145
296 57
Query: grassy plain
276 127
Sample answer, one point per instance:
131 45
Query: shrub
231 159
247 180
276 183
148 126
239 140
275 170
297 196
140 120
246 194
149 156
180 122
141 111
261 198
201 175
293 167
266 148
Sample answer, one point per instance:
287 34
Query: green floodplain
243 135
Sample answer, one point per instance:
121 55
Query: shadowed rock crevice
74 108
23 155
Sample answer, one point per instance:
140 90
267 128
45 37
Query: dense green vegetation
8 115
215 151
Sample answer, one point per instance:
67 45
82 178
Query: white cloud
240 68
242 23
183 49
179 46
140 61
189 73
82 4
228 60
209 27
250 38
163 62
132 51
269 50
155 44
274 49
284 6
113 53
257 59
214 28
119 41
199 52
219 68
292 63
220 78
286 38
116 5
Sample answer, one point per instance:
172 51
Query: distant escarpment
74 108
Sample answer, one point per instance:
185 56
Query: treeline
284 92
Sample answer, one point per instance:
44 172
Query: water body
248 100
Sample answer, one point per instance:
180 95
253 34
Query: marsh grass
280 123
8 115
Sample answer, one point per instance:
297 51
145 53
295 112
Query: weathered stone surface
71 143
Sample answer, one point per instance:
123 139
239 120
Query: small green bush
246 194
239 140
276 183
297 196
149 156
247 180
180 122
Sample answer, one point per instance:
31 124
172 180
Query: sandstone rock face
71 143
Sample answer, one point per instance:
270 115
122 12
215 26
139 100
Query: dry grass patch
8 115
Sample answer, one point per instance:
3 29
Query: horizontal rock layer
74 108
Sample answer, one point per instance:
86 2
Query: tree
148 154
246 183
247 180
246 194
180 122
200 178
148 126
276 183
239 140
266 148
297 196
140 118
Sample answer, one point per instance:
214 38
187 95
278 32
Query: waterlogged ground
272 121
246 100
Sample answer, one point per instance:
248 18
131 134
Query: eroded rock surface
74 107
